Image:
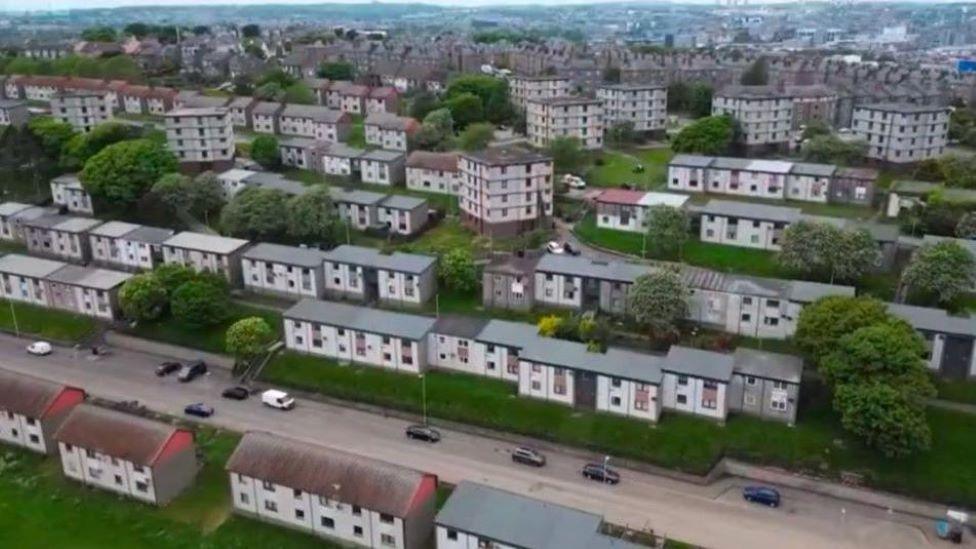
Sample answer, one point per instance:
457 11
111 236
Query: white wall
108 473
20 430
540 381
687 396
553 292
340 344
619 396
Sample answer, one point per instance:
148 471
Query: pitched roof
750 210
88 277
365 319
699 363
314 112
27 395
934 320
778 366
467 327
614 362
348 478
25 265
116 434
288 255
620 196
403 202
390 121
692 160
371 257
206 242
427 160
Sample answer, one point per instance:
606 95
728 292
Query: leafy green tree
299 93
83 146
711 135
256 214
659 302
884 418
492 92
143 297
476 136
667 230
264 151
567 155
437 131
756 75
312 217
816 128
700 103
277 76
122 172
271 91
959 170
944 270
249 338
621 134
548 326
173 190
422 104
679 96
966 228
889 351
99 34
206 194
53 135
139 30
119 67
200 303
830 149
172 276
466 109
457 271
824 322
611 75
338 70
826 251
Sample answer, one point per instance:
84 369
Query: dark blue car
199 409
761 494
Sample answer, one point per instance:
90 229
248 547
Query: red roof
620 196
384 92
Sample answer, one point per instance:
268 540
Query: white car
277 399
555 247
574 182
39 348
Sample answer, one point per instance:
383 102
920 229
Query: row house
357 208
765 384
566 116
60 236
67 191
645 106
13 113
907 194
523 89
383 99
389 131
347 97
764 115
366 274
233 181
950 340
32 409
36 88
265 116
128 246
433 172
241 108
286 271
81 110
390 340
14 214
332 494
201 135
405 77
301 152
403 215
382 167
626 210
341 159
143 459
53 284
314 122
206 253
902 133
156 101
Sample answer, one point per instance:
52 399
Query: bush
200 303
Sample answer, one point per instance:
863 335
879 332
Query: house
950 340
66 190
61 236
24 278
301 152
565 116
626 210
696 382
816 182
347 97
206 253
508 282
32 409
390 340
505 191
765 384
382 167
403 215
358 208
433 172
87 291
332 494
82 110
128 246
13 215
135 99
314 122
201 135
390 131
241 108
382 99
341 159
265 117
745 224
902 133
366 274
144 459
13 113
689 172
645 106
287 271
233 181
853 186
477 515
911 194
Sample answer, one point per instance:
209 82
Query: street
711 516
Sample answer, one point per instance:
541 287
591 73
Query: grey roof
288 255
25 265
403 202
240 102
632 87
87 277
114 229
503 156
615 362
751 210
698 363
266 108
341 315
299 142
315 112
753 92
10 208
730 163
561 100
776 366
467 327
692 160
802 291
382 155
371 257
356 196
69 180
390 121
203 101
818 170
198 111
206 242
904 108
591 268
149 235
934 320
342 150
964 242
508 333
523 522
77 224
11 103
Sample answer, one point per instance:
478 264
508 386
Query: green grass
357 133
46 323
39 508
24 186
209 338
617 168
956 390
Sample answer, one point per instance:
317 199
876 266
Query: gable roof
364 319
777 366
699 363
25 265
372 257
116 434
750 210
28 395
88 277
288 255
205 242
446 161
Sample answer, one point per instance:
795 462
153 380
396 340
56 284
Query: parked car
166 368
277 399
191 371
570 250
554 247
763 495
598 472
236 393
39 348
199 409
528 456
423 432
574 182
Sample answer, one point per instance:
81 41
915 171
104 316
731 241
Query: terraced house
366 274
128 246
433 172
59 236
314 122
390 131
32 409
66 190
286 271
626 210
207 253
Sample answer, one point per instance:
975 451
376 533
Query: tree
437 131
549 325
124 171
83 146
492 92
659 301
621 133
611 75
312 217
99 34
139 30
172 276
816 128
457 271
200 303
466 108
173 190
710 135
824 322
884 418
756 75
299 93
667 230
829 149
966 228
889 351
679 96
251 31
339 70
422 104
944 270
826 251
53 135
249 338
256 214
143 297
476 136
567 154
270 91
206 194
959 170
700 103
277 76
264 151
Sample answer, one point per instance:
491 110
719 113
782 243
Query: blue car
199 409
762 495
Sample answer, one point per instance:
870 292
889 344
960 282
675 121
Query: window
750 380
357 531
388 540
386 519
682 399
452 535
357 510
269 486
270 506
328 522
118 480
299 514
616 382
297 493
244 499
682 380
615 401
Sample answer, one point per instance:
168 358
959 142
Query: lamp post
13 315
606 469
423 395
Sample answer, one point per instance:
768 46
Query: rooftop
27 395
777 366
413 327
446 161
28 266
120 435
371 257
749 210
288 255
88 277
205 242
499 156
699 363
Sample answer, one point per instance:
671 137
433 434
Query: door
957 355
585 384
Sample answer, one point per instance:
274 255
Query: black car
598 472
762 495
423 432
570 250
191 371
236 393
528 456
167 368
199 409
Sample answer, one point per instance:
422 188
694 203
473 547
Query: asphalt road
712 516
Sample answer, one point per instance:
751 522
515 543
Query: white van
277 399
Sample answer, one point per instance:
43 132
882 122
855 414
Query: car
199 409
166 368
39 348
762 495
600 472
570 250
574 182
554 247
236 393
423 432
274 398
189 372
528 456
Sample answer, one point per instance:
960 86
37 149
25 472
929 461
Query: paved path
712 516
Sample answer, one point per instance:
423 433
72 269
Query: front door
957 355
585 396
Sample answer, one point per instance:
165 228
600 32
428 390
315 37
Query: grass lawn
956 390
45 323
8 247
618 168
34 495
817 444
357 133
209 339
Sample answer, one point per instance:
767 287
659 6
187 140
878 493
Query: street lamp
423 395
13 315
606 469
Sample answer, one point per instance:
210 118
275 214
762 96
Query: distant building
201 136
82 110
66 190
433 172
13 113
566 116
521 89
764 114
902 133
643 105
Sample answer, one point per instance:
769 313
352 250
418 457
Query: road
711 516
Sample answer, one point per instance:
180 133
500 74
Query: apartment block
902 133
433 172
207 253
286 271
643 105
32 409
567 116
505 191
128 246
201 135
522 89
764 114
82 110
